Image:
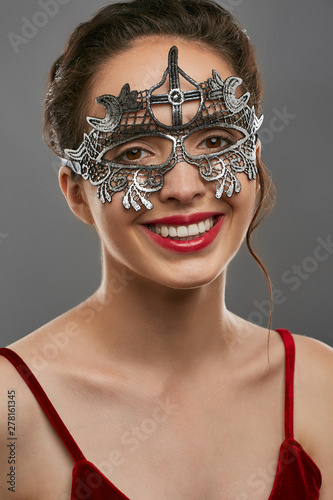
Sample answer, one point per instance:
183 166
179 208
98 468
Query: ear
258 147
74 195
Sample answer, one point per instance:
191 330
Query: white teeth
193 230
187 232
201 227
182 231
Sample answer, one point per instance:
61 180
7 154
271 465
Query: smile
181 237
183 233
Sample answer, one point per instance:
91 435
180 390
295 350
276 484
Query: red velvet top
297 476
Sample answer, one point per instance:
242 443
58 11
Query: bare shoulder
22 420
314 405
314 378
314 362
44 348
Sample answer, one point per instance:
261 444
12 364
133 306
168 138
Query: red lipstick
184 246
183 219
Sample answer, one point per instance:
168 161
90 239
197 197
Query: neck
144 322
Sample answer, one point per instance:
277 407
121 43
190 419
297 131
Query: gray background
49 261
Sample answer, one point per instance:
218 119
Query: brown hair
115 28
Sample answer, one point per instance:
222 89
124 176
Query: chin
190 281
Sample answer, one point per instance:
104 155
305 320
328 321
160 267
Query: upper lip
183 219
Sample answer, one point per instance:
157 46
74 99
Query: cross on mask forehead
176 97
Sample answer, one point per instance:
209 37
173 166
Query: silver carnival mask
131 149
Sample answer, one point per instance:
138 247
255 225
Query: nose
183 183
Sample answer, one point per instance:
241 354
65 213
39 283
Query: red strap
289 346
44 402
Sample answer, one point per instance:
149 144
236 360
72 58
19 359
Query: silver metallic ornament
133 126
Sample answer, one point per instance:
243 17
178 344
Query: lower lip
187 246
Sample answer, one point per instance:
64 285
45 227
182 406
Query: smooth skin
162 387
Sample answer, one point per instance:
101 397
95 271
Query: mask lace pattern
134 115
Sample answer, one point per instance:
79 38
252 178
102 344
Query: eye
210 141
133 154
217 142
147 150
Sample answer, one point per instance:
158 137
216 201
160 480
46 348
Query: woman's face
130 238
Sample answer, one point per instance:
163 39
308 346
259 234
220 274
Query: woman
157 390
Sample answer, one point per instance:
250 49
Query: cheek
242 208
109 218
244 203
